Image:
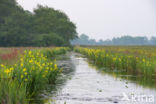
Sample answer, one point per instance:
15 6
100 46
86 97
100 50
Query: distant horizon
123 40
116 37
107 18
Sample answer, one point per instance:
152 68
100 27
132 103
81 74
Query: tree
124 40
153 40
45 27
51 39
47 20
16 29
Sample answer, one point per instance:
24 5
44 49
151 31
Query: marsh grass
136 61
32 73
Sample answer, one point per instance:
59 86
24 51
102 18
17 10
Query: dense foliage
21 82
44 27
135 63
129 60
124 40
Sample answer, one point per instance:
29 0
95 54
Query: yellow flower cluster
31 64
30 75
122 58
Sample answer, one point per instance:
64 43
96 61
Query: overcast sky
105 18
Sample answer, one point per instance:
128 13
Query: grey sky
106 18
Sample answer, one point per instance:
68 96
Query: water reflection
145 81
88 86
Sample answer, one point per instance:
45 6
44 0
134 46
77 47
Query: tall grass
127 61
20 82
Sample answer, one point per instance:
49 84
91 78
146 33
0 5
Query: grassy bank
32 72
128 60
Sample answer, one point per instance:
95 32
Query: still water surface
88 86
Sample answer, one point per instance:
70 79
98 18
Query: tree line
43 27
124 40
